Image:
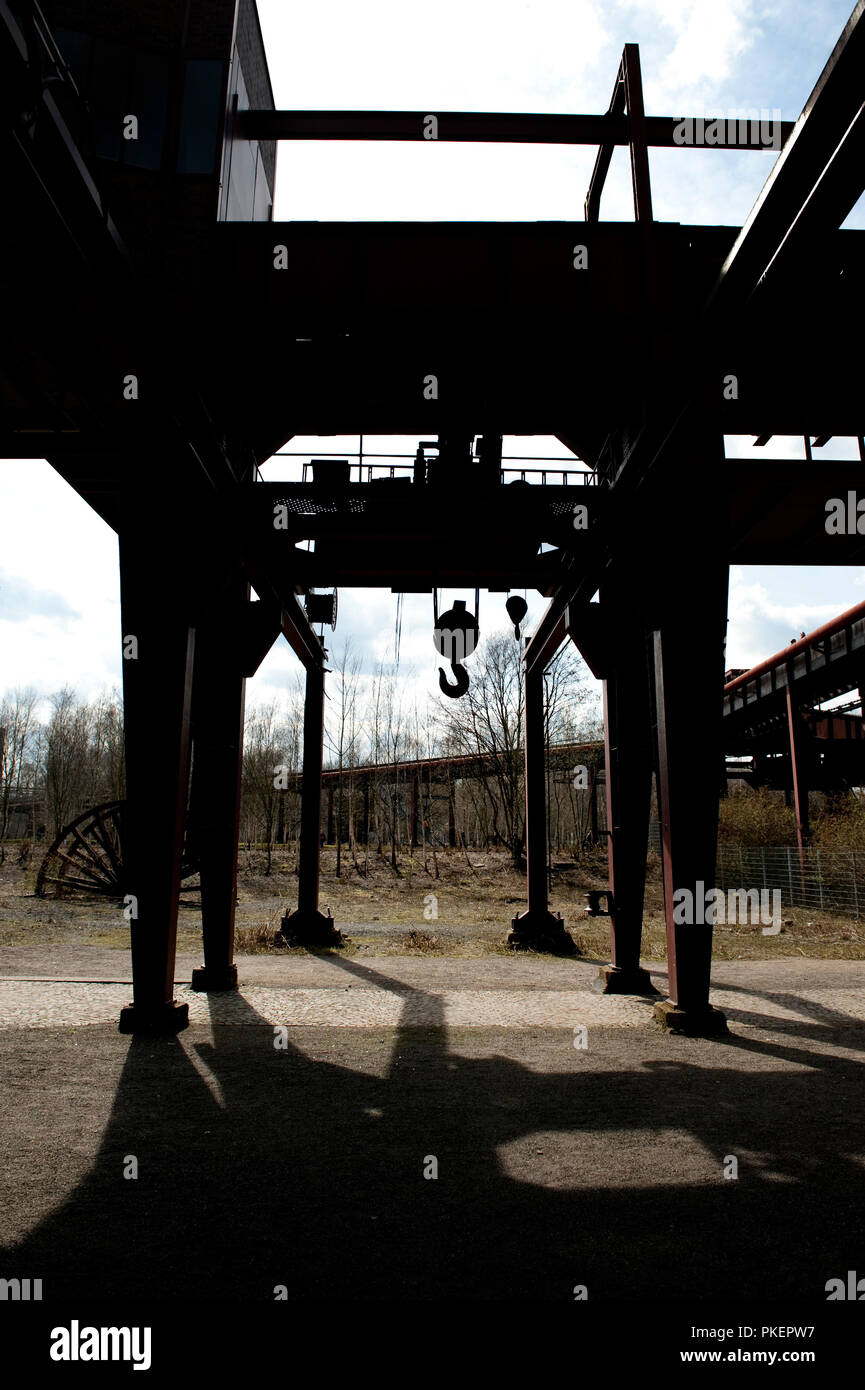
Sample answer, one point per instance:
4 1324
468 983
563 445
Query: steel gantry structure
771 714
163 337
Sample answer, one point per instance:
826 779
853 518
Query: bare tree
487 724
67 746
104 779
342 739
396 749
263 760
16 733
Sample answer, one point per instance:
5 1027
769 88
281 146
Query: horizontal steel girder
512 128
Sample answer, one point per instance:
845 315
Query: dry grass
387 913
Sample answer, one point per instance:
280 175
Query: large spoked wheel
86 858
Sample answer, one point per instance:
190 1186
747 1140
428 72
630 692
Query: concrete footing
207 980
164 1019
541 931
707 1022
309 928
614 979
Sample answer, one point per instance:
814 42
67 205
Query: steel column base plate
541 931
615 979
161 1019
309 928
208 979
707 1022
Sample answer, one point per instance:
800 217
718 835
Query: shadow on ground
304 1167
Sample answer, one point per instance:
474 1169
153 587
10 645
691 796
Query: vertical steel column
308 926
218 704
536 794
638 146
414 799
798 766
452 820
593 807
158 647
629 759
689 682
310 804
537 928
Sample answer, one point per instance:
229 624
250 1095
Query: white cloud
709 39
56 544
486 55
761 624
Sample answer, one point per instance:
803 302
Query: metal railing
820 879
365 472
570 477
825 880
367 466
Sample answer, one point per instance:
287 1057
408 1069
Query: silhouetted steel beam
592 205
482 127
638 142
310 803
157 691
627 97
308 925
628 756
817 175
300 635
817 178
537 927
548 636
218 704
46 147
295 625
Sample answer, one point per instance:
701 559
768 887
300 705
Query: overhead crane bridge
142 279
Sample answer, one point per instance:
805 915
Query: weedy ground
460 905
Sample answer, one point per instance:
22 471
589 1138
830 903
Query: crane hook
461 676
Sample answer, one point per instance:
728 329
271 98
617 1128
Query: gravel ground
303 1165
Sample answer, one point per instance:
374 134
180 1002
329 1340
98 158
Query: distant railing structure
820 879
365 471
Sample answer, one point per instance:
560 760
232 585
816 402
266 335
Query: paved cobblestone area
29 1004
525 993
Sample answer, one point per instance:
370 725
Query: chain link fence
826 880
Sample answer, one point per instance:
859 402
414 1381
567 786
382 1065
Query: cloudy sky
59 599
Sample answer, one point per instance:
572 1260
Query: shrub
840 824
415 940
757 817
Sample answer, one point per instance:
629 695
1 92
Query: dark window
109 91
117 82
148 100
202 116
75 48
